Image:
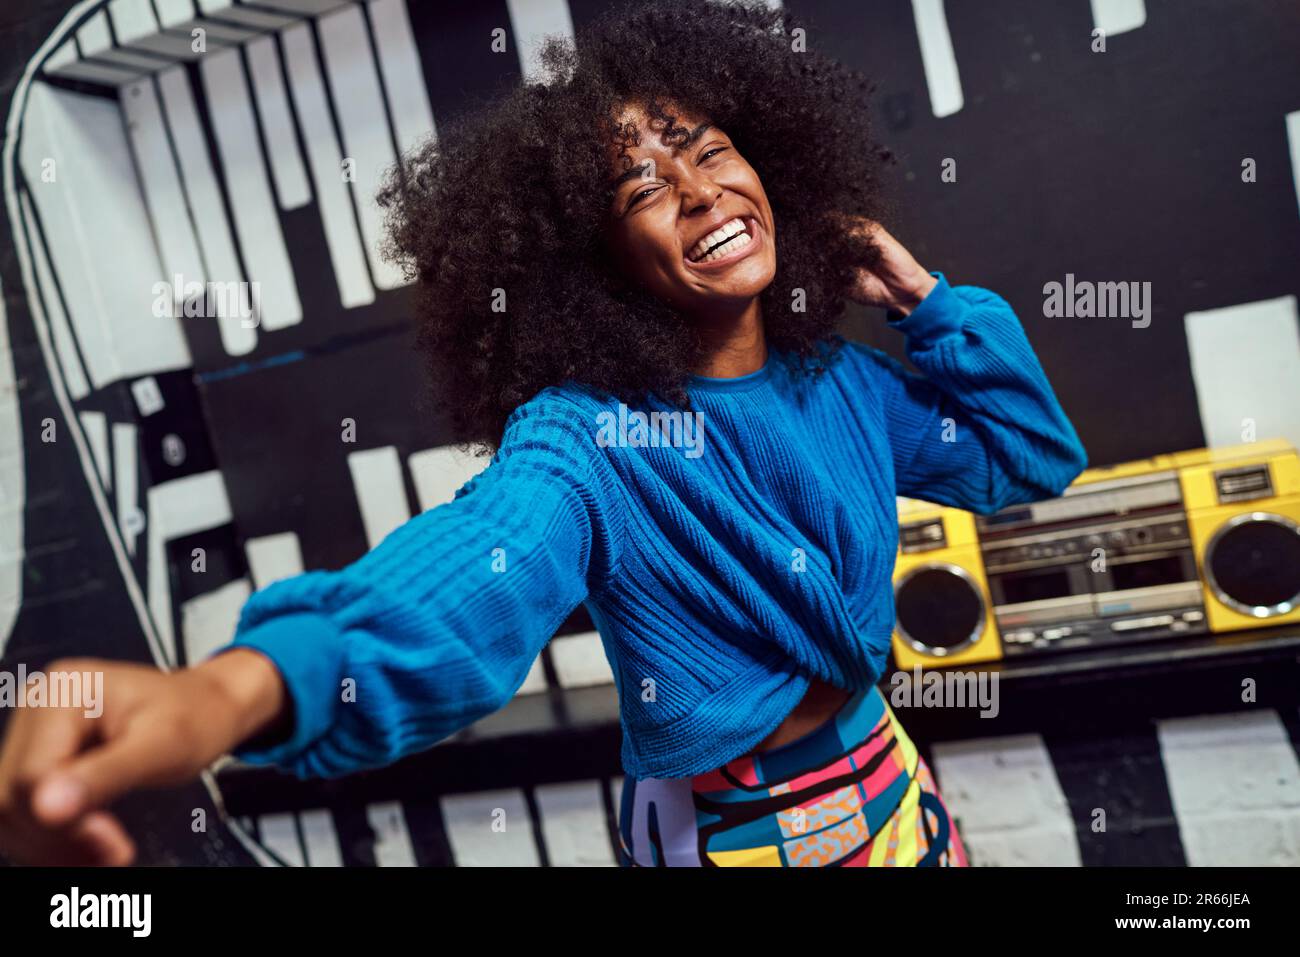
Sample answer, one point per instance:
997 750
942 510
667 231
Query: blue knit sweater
726 559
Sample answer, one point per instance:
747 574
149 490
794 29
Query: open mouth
727 239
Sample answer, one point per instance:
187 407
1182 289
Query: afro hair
499 222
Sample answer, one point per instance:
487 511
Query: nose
699 193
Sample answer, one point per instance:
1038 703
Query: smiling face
691 222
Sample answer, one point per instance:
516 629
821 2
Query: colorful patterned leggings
853 793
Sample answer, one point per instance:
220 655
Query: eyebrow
691 138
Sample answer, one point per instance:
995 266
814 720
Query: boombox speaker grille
939 608
1253 564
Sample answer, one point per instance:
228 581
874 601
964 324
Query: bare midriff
819 703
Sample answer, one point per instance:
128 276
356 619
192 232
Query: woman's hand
59 768
898 282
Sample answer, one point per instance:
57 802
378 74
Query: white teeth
718 235
740 241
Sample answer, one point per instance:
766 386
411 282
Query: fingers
58 798
52 815
97 839
59 768
140 756
40 742
35 742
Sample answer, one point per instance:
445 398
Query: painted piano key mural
157 467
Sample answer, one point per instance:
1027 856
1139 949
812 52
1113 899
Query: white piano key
363 124
93 37
176 508
174 14
580 660
1293 145
272 100
532 22
439 472
13 489
1007 801
279 835
95 425
266 258
490 829
937 57
1118 16
164 194
11 439
60 222
1244 359
178 18
132 19
208 621
204 195
535 681
192 503
231 12
232 34
101 74
126 482
303 7
1234 782
50 306
273 557
616 798
13 493
399 63
324 159
573 824
64 55
94 205
381 494
321 838
96 42
392 840
136 27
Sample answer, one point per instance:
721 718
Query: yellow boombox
1191 542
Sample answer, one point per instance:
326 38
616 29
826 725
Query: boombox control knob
1118 538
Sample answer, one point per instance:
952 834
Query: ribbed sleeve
728 553
981 428
438 625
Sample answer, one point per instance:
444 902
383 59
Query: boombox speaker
941 597
1244 518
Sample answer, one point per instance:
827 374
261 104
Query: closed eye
637 197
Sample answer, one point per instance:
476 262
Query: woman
628 282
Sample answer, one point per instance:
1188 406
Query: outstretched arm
438 624
429 631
